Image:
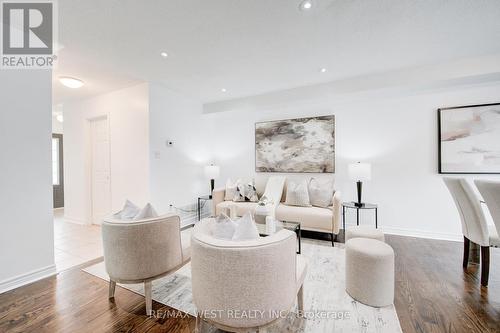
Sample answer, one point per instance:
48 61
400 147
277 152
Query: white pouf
364 232
369 271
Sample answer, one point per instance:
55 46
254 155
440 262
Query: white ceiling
251 47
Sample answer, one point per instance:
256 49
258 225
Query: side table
204 198
352 205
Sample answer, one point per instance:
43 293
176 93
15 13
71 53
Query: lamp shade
212 171
360 171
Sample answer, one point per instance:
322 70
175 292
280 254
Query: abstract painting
296 145
469 139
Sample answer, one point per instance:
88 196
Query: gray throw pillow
321 192
297 194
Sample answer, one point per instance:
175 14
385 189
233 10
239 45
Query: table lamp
211 172
360 172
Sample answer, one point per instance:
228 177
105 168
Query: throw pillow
231 188
129 211
321 193
246 228
246 192
224 227
297 194
147 212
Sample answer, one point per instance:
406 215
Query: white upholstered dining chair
257 278
142 251
474 224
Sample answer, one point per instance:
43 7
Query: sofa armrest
337 205
218 196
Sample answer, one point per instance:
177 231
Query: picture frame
469 139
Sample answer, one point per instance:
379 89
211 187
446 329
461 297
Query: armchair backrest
474 225
490 190
140 250
248 276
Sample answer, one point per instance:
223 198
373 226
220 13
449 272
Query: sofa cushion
321 192
241 207
231 189
297 194
314 218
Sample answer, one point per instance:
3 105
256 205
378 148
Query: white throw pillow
297 193
246 228
147 212
129 211
321 193
231 188
224 227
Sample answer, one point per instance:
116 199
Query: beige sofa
326 220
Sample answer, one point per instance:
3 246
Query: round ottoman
369 271
364 232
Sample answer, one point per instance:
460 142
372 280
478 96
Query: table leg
357 216
376 218
199 213
343 217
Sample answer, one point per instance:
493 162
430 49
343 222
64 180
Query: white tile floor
74 244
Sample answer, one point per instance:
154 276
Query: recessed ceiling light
71 82
164 54
223 90
323 70
306 5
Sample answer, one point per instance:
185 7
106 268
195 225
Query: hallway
74 244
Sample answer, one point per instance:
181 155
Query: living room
352 145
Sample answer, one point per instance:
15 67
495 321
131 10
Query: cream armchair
256 279
143 251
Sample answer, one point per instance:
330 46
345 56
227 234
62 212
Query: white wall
127 111
27 236
395 130
177 172
57 126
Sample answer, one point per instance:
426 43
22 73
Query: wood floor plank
432 294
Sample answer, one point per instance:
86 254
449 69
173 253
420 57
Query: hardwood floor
433 294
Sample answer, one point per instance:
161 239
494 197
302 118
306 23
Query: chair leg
112 285
199 322
333 240
149 301
466 252
485 265
300 298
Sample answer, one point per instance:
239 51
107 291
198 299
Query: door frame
88 164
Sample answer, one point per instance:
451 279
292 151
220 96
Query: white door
100 166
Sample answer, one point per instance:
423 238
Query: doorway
100 175
57 171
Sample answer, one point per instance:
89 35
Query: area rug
328 308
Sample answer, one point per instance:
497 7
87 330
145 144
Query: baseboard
27 278
419 233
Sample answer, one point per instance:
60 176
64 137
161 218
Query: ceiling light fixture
164 54
306 5
223 90
323 70
71 82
